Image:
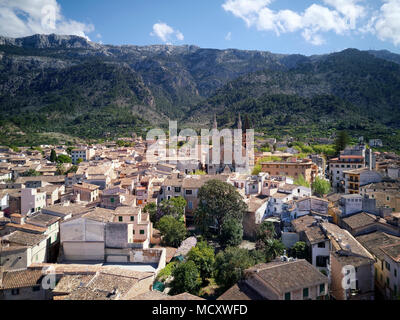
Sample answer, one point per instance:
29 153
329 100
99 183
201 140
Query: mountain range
71 86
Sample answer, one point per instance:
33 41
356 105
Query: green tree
165 273
62 158
69 150
301 181
53 156
60 169
257 169
151 209
186 279
321 187
341 142
73 169
173 232
174 207
258 256
204 258
219 200
266 231
231 233
271 247
80 160
31 173
299 250
230 265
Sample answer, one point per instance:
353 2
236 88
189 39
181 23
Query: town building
305 168
85 154
287 280
385 250
86 192
356 178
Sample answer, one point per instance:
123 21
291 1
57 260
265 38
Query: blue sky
280 26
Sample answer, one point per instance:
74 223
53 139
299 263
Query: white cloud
246 9
20 18
166 33
386 25
341 17
228 36
349 8
179 36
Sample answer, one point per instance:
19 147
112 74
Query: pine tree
53 156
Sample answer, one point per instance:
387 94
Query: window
15 292
177 189
189 192
190 205
120 219
112 200
141 231
322 288
132 218
387 264
287 296
321 245
305 293
133 231
322 261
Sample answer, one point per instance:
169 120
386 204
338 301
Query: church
231 164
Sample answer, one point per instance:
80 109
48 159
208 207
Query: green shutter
287 296
305 293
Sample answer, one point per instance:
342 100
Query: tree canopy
321 187
341 141
301 181
231 233
204 258
230 265
186 279
174 207
173 232
217 201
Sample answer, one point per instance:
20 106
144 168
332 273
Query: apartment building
82 153
306 168
32 201
386 193
385 249
287 280
337 167
356 178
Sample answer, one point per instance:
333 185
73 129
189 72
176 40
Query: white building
84 154
32 201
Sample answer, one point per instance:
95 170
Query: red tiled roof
21 279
